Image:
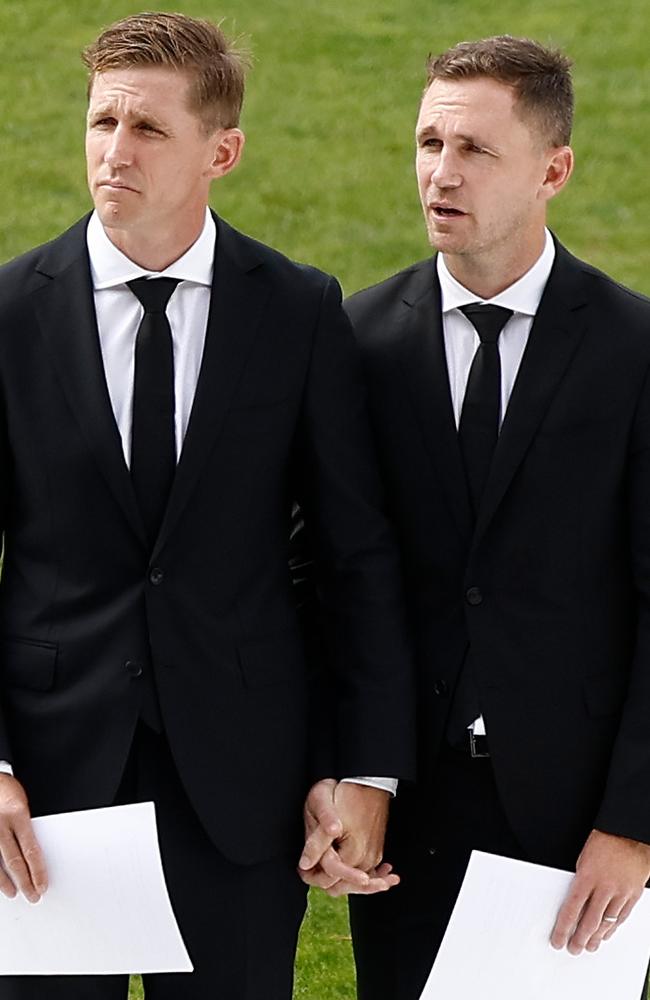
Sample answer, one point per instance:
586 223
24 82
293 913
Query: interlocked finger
317 877
380 880
333 866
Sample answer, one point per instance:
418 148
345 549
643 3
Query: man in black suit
169 387
510 397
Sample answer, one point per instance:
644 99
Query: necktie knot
488 321
153 293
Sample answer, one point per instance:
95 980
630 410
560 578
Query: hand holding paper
106 910
22 865
497 941
610 876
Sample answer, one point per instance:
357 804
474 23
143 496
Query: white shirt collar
522 297
110 267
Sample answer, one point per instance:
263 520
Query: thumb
327 825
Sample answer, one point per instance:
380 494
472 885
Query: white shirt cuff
5 767
386 784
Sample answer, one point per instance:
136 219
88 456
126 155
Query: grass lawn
327 175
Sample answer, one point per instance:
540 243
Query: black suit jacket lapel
422 354
66 314
240 290
555 335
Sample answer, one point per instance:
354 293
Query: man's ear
558 170
229 143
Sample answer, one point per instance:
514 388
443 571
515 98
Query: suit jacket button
440 688
156 576
474 596
133 668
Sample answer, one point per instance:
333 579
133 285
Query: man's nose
446 172
119 151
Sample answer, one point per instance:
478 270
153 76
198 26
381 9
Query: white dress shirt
119 313
462 340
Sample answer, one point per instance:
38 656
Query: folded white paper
107 909
497 943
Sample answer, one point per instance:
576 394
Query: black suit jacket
278 414
551 584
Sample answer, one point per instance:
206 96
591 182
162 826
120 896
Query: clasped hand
345 824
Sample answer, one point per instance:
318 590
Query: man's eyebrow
138 115
425 131
430 131
99 109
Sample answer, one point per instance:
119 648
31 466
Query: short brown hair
540 77
216 68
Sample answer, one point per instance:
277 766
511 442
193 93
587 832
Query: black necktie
153 443
478 432
479 420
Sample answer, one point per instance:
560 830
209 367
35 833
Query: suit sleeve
356 571
625 808
4 478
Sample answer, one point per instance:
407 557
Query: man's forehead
480 95
155 84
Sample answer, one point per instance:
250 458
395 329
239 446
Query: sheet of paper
497 943
107 909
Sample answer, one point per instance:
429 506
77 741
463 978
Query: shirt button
133 667
474 596
156 576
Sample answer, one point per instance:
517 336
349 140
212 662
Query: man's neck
488 274
155 253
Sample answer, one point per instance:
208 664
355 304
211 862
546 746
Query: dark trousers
240 924
396 935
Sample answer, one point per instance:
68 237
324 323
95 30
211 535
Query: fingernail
305 862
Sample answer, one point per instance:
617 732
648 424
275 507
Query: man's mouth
116 185
446 212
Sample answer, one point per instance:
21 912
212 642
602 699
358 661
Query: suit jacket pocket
276 659
28 663
603 694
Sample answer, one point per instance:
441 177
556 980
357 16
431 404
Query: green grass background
327 174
